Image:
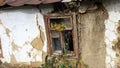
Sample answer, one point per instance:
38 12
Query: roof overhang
32 2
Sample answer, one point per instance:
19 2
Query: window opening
61 33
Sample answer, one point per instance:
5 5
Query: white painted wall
17 21
19 26
113 8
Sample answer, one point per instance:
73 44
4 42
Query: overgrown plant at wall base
56 62
63 61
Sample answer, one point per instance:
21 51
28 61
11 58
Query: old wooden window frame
72 17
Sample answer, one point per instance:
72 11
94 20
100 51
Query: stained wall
23 36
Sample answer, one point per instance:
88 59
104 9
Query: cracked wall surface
93 52
92 45
111 25
23 36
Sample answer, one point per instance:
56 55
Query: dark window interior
68 40
56 44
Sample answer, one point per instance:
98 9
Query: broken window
61 33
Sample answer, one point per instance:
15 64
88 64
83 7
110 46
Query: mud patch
7 32
14 46
13 59
0 22
91 29
37 43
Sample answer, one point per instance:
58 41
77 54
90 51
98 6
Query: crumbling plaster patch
21 38
38 42
111 31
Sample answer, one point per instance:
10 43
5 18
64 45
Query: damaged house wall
23 36
99 41
92 30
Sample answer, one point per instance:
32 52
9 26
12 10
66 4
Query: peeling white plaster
110 35
23 29
111 53
5 48
111 23
43 29
108 59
